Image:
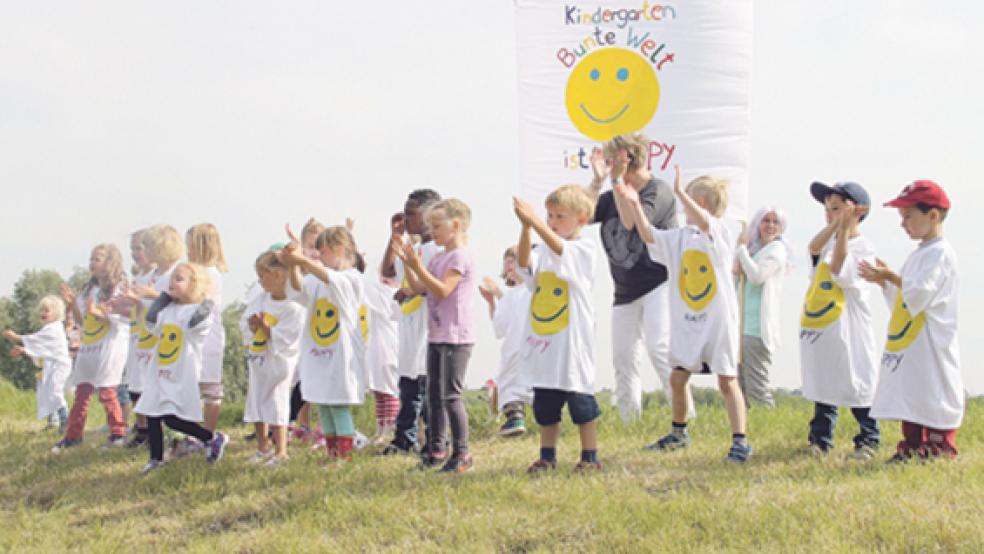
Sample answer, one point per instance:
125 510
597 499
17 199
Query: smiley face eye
595 74
905 306
826 285
174 336
331 313
317 313
538 290
622 74
558 292
686 271
703 269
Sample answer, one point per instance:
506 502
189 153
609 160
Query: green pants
336 420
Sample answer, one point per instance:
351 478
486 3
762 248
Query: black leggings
156 433
296 402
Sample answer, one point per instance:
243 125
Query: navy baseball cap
848 189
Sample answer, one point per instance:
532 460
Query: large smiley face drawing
696 281
93 330
824 300
324 323
903 328
549 312
169 345
364 322
261 339
412 305
145 339
611 92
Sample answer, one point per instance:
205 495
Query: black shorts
548 403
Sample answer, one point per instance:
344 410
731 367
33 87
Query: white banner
677 71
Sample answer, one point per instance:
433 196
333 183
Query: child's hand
403 295
410 256
349 224
743 237
678 182
620 164
878 273
68 294
397 245
627 193
524 212
846 216
16 351
397 224
292 253
489 290
253 323
10 335
599 165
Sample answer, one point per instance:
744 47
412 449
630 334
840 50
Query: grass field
95 500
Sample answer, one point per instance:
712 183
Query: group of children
320 333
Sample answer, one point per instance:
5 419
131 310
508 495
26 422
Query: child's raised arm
633 215
695 214
421 280
880 273
293 257
529 218
387 268
844 220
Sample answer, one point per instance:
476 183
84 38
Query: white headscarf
755 240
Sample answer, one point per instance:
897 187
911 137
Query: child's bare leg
212 415
549 435
734 402
678 380
304 416
262 444
280 440
589 435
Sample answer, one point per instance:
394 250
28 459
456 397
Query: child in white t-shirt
205 249
704 319
508 310
271 326
380 324
920 382
558 354
838 355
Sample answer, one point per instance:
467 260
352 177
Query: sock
589 456
680 429
548 454
739 439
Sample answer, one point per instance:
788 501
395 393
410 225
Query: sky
249 115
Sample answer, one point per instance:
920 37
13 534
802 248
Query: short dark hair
424 196
924 208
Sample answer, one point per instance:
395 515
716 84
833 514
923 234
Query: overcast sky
117 115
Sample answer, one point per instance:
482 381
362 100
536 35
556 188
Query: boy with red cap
920 382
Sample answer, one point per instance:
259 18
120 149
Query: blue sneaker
217 446
739 453
670 442
513 427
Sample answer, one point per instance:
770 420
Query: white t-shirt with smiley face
838 353
332 363
271 358
105 344
920 378
704 319
559 341
412 357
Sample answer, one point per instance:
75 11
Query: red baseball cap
925 192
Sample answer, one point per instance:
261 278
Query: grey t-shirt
633 272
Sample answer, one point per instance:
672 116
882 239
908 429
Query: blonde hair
201 284
452 209
268 261
637 145
56 305
573 198
138 237
205 246
115 275
312 227
164 244
338 235
714 191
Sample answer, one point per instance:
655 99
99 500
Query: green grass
92 499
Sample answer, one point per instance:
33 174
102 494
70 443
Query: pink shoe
319 443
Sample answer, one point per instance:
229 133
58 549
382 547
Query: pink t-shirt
450 321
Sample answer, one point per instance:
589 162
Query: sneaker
392 449
670 442
360 441
819 450
217 446
250 437
151 466
260 457
137 440
320 443
513 427
430 461
862 452
541 466
115 441
64 444
583 468
189 445
458 464
276 461
739 453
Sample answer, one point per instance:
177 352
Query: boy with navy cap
920 383
838 356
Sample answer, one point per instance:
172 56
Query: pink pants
80 409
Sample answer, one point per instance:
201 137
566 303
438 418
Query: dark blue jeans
412 397
825 421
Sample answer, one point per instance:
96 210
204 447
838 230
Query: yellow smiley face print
261 339
696 281
903 328
169 345
824 300
413 304
364 322
145 339
549 313
611 92
324 323
93 330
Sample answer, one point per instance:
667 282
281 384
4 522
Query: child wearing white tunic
704 320
332 350
102 354
142 276
508 310
838 355
179 317
382 315
205 249
48 349
920 383
271 327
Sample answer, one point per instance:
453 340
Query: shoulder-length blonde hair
205 246
340 236
115 275
201 284
164 245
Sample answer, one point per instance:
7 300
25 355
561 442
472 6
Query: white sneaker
276 461
260 457
360 441
151 466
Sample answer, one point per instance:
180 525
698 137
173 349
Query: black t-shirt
633 272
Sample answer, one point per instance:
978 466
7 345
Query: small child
508 312
142 276
837 341
332 351
448 281
704 320
205 249
179 317
300 411
920 383
559 347
382 315
48 349
412 341
271 327
102 355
